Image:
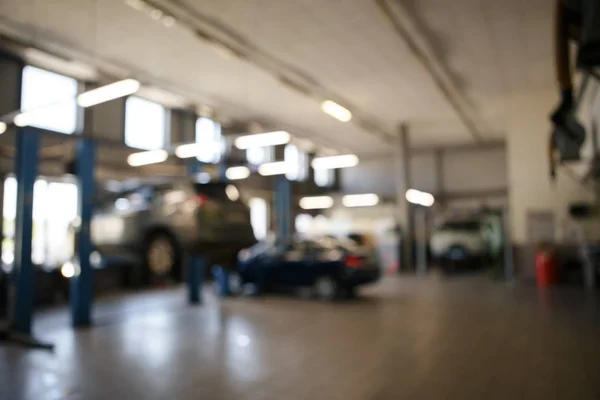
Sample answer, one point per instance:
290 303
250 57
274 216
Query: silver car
158 223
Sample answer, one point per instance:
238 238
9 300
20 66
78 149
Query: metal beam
419 45
403 183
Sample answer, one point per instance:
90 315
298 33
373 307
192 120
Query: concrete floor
456 338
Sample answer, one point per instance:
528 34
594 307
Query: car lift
21 299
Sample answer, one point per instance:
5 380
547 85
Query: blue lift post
196 264
26 170
82 285
222 274
283 207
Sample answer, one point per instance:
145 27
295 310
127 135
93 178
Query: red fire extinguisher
546 266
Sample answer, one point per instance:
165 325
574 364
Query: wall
460 173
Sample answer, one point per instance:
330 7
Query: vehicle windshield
465 226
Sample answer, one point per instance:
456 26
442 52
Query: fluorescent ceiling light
316 202
189 150
2 127
168 21
147 157
262 140
421 198
274 168
109 92
336 111
332 162
236 173
360 200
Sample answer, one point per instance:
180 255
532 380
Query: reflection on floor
463 338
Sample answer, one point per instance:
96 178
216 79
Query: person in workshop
577 20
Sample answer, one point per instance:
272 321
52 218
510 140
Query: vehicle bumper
362 276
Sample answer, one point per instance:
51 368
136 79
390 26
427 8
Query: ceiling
344 50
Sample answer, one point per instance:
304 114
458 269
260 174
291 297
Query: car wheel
326 288
161 256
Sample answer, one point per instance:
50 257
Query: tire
351 292
162 257
326 288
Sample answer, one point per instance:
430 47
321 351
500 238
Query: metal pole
403 183
283 204
26 170
421 227
82 285
509 268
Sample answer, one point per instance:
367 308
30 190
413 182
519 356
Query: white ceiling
490 48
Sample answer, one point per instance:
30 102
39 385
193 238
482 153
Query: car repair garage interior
260 199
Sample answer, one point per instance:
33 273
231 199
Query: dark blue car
332 268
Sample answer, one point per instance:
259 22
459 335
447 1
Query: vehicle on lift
331 268
155 224
459 242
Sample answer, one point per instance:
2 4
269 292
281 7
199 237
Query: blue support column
221 273
196 273
196 263
82 286
26 170
283 207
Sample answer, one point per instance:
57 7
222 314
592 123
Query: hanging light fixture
109 92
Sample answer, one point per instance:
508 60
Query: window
209 132
297 161
145 124
259 155
49 99
259 217
324 177
54 208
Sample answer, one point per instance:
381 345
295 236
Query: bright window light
297 163
147 158
145 124
360 200
262 140
109 92
208 135
316 202
418 197
336 111
48 101
259 155
259 217
236 173
324 177
274 168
